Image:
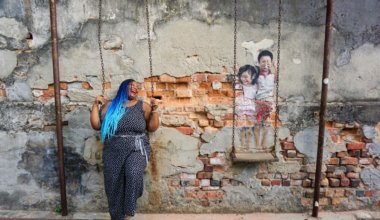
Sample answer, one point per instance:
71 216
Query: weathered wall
192 42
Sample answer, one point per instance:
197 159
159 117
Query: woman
123 124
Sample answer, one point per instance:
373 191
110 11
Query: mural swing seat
249 146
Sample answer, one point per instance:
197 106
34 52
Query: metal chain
149 46
100 46
278 70
234 79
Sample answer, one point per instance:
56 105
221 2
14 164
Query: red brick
226 182
368 193
337 201
152 79
218 124
204 159
364 153
185 130
349 192
352 175
276 182
199 77
215 77
3 93
261 175
183 93
62 85
365 161
286 182
287 145
355 183
355 146
349 161
324 201
204 175
167 78
306 201
86 85
333 161
298 176
306 183
342 154
334 182
345 182
296 182
205 203
265 182
208 168
184 79
354 153
325 182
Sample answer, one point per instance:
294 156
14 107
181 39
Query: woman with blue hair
123 124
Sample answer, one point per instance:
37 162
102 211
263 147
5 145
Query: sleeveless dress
125 157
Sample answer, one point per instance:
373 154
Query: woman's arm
151 116
94 115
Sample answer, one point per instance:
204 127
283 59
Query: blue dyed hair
115 111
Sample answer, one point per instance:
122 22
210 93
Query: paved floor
354 215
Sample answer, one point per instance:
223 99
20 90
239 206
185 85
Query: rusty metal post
58 110
325 80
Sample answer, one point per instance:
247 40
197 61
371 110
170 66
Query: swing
149 48
250 157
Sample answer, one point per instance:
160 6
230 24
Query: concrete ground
353 215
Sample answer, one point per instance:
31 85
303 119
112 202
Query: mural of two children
257 100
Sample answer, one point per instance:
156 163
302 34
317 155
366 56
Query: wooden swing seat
253 157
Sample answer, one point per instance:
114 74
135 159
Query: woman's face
246 78
265 64
133 89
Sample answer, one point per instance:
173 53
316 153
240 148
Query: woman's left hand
154 103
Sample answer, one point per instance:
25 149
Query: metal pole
325 80
58 111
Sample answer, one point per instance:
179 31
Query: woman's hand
154 103
100 100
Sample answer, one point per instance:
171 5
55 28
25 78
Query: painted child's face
246 78
265 64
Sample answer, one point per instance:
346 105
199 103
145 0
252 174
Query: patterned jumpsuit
125 158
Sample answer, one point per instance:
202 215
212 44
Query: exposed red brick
185 130
276 182
265 182
152 79
333 161
218 124
342 154
3 93
86 85
165 78
306 201
107 85
298 176
287 145
204 159
355 183
365 161
306 183
325 182
368 193
337 201
215 77
352 175
205 203
204 175
354 153
364 153
334 182
355 146
203 122
208 168
184 79
345 182
324 201
349 161
286 182
199 77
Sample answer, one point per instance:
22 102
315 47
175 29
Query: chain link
149 46
234 79
278 70
100 46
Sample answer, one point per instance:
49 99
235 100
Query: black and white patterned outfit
125 158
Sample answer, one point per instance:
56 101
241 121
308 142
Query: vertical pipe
325 80
58 111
